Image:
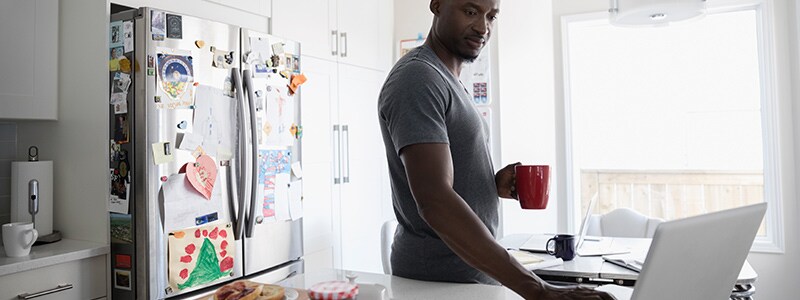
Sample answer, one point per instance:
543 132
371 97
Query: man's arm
430 176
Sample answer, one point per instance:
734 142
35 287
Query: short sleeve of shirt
413 105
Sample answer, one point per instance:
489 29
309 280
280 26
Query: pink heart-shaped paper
202 174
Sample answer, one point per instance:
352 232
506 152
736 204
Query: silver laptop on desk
697 258
584 247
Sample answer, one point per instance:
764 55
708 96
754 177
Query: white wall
78 142
250 14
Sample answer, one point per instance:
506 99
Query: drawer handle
59 288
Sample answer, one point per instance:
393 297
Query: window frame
772 133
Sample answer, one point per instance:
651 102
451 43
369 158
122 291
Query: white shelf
51 254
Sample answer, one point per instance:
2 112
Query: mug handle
35 236
547 246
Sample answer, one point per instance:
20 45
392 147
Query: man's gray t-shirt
422 102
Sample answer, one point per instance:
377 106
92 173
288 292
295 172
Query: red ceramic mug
533 186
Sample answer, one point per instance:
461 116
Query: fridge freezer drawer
273 244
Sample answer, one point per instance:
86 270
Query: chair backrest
623 222
387 237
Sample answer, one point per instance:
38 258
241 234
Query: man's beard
468 58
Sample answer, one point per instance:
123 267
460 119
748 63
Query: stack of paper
533 262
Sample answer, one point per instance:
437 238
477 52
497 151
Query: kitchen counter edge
63 251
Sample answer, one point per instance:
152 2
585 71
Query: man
443 182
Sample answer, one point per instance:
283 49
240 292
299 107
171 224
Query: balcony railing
671 194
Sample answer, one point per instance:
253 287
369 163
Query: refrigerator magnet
157 25
199 44
222 59
122 279
174 26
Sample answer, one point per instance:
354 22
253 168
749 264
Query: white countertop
65 250
374 286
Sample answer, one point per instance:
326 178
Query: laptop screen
585 225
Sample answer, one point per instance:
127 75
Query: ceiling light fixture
654 12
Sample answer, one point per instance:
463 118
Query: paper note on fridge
182 203
189 141
282 197
213 120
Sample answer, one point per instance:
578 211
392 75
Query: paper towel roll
23 172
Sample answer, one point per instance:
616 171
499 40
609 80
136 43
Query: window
672 121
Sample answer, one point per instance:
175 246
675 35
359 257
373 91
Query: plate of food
249 290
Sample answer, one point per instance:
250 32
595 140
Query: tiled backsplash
8 152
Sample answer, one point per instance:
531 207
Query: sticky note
297 80
113 65
162 153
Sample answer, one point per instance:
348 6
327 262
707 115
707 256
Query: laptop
696 258
594 247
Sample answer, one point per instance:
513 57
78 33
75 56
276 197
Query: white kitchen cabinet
87 278
346 189
364 191
29 60
348 31
320 213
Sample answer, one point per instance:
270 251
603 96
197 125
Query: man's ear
434 6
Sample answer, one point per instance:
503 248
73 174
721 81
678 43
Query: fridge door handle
334 42
337 160
346 155
344 42
237 164
251 217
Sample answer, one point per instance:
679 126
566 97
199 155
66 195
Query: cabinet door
321 210
310 22
29 60
359 31
364 171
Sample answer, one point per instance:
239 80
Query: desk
594 270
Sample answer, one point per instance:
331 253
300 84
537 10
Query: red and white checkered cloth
333 290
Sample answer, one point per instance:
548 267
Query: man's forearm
468 237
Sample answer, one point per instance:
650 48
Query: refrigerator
205 182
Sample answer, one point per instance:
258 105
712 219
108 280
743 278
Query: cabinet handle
344 41
337 163
59 288
346 133
269 25
334 42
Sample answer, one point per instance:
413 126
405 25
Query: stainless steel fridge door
193 37
269 240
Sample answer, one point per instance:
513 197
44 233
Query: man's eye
471 12
492 18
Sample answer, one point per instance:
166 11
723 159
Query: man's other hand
505 180
574 293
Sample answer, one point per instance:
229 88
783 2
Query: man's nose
482 26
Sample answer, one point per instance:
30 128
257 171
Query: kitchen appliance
204 134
